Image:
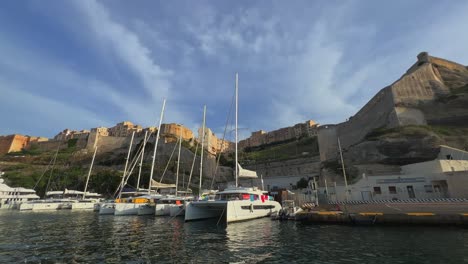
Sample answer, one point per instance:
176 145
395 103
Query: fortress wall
410 116
108 143
378 112
51 145
447 64
422 84
303 167
328 142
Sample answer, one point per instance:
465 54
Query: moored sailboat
234 203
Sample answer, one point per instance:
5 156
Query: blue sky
82 64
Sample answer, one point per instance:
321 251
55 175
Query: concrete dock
392 213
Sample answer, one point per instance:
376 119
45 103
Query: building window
392 189
428 188
377 190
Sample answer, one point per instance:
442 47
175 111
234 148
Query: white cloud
126 45
25 112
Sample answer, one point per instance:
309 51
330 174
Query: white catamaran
234 203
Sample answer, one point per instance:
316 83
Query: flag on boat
243 173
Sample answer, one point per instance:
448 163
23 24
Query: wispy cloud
297 61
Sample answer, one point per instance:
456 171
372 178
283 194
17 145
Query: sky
88 63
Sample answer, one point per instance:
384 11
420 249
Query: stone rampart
304 167
51 145
378 112
401 103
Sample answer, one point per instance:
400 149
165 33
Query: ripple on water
73 237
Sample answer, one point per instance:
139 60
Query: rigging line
193 165
52 169
228 119
222 213
43 173
132 165
168 162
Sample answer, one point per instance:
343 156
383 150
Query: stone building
67 134
15 142
101 131
212 143
124 129
261 137
176 129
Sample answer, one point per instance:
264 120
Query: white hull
127 208
231 211
40 206
107 209
146 209
83 206
10 206
162 210
177 210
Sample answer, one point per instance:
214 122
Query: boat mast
141 161
237 94
156 145
126 164
178 160
90 169
344 172
201 155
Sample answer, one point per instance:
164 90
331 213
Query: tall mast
126 164
344 172
237 94
178 161
201 155
141 161
90 168
156 145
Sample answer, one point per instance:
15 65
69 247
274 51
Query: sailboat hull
177 210
40 206
146 209
83 206
230 211
162 210
107 209
127 208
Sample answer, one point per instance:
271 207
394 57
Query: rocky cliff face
406 121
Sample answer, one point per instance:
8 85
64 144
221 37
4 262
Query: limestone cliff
406 121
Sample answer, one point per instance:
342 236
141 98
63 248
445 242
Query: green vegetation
415 131
302 147
104 181
335 166
461 90
302 183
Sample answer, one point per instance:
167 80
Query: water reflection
90 238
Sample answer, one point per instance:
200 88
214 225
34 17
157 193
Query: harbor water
86 237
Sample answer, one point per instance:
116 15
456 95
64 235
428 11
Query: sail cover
243 173
158 185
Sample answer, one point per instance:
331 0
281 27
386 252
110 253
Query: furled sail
243 173
158 185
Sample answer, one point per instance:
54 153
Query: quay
398 213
